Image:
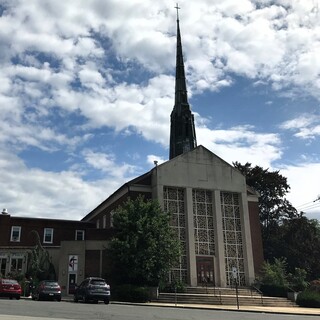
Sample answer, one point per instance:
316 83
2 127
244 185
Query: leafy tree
285 232
300 239
272 187
144 247
274 208
40 267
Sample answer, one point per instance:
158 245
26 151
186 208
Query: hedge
309 299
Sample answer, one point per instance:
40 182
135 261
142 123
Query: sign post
235 277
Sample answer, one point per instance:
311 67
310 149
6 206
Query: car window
9 281
98 282
51 283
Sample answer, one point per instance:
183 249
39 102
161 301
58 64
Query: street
41 310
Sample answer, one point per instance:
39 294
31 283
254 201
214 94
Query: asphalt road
50 310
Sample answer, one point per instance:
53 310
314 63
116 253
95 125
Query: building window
203 222
16 264
80 235
104 222
98 224
111 218
232 235
3 265
15 233
48 235
174 203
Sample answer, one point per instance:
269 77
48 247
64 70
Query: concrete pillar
220 266
191 256
246 237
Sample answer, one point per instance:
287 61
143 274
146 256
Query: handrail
259 291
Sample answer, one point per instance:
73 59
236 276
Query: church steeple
182 132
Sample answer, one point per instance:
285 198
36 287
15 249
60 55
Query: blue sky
87 88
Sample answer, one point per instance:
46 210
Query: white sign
234 272
73 264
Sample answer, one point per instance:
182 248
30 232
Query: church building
214 213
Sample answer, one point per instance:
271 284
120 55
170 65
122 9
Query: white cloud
113 68
301 194
242 144
307 126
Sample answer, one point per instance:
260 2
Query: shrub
274 273
175 286
309 299
130 293
273 290
297 280
315 286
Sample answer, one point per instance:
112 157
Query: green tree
285 232
272 187
300 238
144 247
274 208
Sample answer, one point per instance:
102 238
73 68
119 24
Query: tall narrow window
111 219
98 224
80 235
104 222
15 233
48 235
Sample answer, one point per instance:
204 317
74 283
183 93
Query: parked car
92 289
47 289
10 288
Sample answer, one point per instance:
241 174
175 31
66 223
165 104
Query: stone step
222 291
211 299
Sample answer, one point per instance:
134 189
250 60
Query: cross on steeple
178 8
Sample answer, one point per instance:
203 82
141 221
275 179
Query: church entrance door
205 271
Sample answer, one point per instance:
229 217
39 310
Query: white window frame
82 235
44 235
98 224
18 229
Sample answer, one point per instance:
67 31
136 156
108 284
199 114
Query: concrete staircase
223 296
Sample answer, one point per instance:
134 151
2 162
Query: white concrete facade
202 170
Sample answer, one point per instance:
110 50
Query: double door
205 271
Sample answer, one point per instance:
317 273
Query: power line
308 203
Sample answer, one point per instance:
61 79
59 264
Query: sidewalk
276 310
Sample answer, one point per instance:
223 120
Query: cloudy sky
87 88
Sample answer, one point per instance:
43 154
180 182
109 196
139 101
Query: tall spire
182 133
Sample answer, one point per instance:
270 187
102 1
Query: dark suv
92 289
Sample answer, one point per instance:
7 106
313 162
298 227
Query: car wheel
33 298
59 299
85 299
38 298
18 297
75 299
106 301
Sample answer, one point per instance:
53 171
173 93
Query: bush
130 293
315 286
274 273
310 299
175 286
297 280
273 290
